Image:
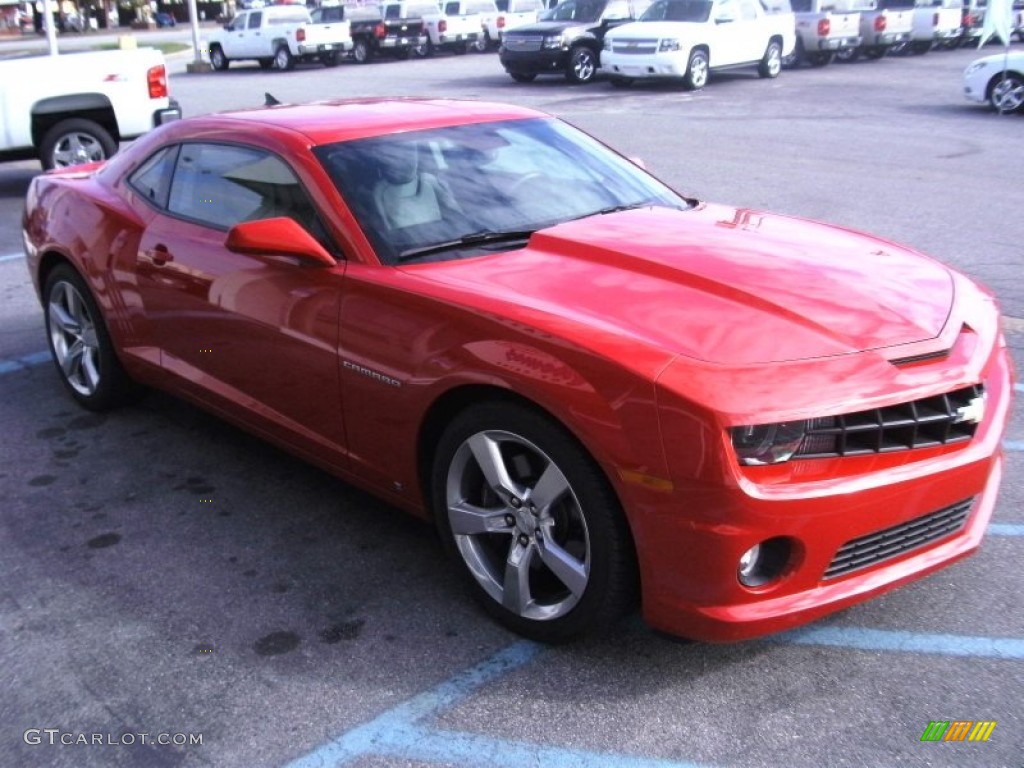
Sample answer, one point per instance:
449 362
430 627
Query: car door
256 336
728 22
253 43
233 39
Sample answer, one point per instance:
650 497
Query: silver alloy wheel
583 65
77 147
773 61
698 71
1007 94
282 59
518 525
73 338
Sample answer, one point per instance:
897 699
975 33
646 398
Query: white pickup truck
512 14
685 39
936 23
74 109
822 30
883 24
277 36
449 27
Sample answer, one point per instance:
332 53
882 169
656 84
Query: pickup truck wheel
482 43
361 52
875 51
797 57
696 71
424 51
820 59
582 65
848 55
771 62
217 58
329 59
1006 94
75 141
283 59
921 47
522 77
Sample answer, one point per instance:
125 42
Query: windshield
578 10
678 10
465 190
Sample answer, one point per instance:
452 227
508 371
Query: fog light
764 562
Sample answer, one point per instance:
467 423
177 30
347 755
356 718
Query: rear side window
152 179
255 19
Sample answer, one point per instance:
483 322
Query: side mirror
279 236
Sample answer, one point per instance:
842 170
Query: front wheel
1006 93
533 522
217 58
771 62
582 65
80 345
283 59
75 141
696 71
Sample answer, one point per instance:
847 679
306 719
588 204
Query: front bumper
839 43
691 540
646 66
544 61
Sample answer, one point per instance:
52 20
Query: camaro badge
972 413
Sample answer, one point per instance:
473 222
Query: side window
221 185
451 9
152 179
238 22
502 5
748 10
616 10
254 19
392 11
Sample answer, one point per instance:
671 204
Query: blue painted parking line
907 642
11 257
1006 529
397 732
23 362
1013 445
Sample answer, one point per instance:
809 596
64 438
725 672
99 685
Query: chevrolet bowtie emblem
972 413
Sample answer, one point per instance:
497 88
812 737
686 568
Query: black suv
568 40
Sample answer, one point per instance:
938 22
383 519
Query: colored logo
958 730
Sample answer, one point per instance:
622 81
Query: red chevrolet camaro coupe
601 391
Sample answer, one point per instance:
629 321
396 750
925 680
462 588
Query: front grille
892 542
523 42
635 46
924 423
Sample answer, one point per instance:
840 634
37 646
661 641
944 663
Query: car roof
330 121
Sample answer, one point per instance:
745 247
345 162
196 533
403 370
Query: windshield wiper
476 238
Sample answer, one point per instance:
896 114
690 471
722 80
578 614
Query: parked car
278 36
72 110
394 29
821 30
936 24
972 20
602 392
449 28
512 14
883 24
997 80
484 12
568 42
164 20
685 39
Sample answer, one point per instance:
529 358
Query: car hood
547 28
654 30
720 284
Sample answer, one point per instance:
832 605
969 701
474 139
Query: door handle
160 255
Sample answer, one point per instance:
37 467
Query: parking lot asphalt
166 574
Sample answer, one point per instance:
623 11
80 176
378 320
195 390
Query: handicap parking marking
1010 648
11 257
1005 529
21 363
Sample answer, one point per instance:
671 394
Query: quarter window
152 179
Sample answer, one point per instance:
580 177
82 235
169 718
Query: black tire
329 59
78 338
921 47
266 63
582 66
283 59
582 585
217 58
797 57
403 53
875 52
425 51
522 77
482 42
1006 94
820 58
848 55
771 62
697 69
361 52
75 141
621 82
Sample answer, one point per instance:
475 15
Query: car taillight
442 27
500 23
380 31
824 27
300 35
156 79
879 23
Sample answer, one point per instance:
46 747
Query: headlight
669 44
553 42
768 443
972 68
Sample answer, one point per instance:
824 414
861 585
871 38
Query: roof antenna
270 101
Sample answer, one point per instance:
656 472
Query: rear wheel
875 51
771 62
283 59
533 522
426 50
848 55
820 58
696 71
80 345
582 65
361 51
217 58
482 43
75 141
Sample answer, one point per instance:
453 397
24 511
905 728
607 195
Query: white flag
998 21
